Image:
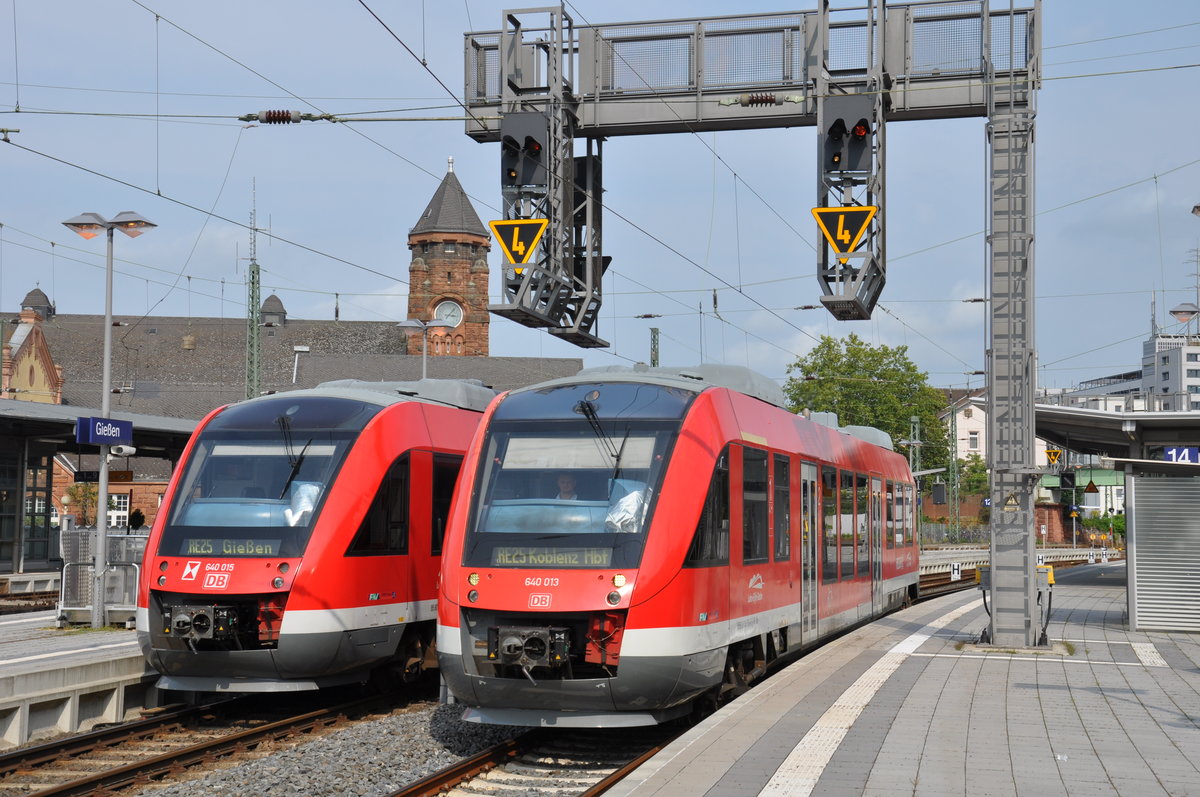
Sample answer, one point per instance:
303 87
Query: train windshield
258 475
570 476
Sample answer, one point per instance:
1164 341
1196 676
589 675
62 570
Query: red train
299 539
629 545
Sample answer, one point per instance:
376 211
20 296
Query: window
448 246
783 509
1193 373
710 543
909 521
861 525
1163 360
754 505
445 474
848 523
1166 377
384 530
1193 357
889 514
829 511
118 510
973 441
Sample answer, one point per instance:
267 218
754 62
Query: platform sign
1104 555
844 227
1041 559
518 237
1182 454
956 571
1092 556
103 431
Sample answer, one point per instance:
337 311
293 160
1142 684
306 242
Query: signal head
533 147
860 130
837 130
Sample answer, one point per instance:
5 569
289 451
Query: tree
870 386
83 497
973 475
137 519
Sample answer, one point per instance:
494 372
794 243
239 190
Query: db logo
190 570
539 600
216 580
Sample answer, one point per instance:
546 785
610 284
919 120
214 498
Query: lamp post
424 326
89 225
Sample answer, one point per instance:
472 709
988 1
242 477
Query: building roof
449 211
35 298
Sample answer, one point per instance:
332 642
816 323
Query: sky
133 105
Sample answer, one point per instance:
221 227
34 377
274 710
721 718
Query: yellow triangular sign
518 237
1091 488
1053 455
1011 504
844 227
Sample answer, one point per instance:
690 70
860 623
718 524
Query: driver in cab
566 487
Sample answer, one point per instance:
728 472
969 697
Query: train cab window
445 474
829 511
710 543
755 529
782 508
849 525
862 524
384 529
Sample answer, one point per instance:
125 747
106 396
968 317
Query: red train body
300 537
713 531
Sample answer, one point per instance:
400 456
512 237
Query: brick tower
448 276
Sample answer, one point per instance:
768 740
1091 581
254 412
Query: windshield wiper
588 410
295 469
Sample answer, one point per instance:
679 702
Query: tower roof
36 298
450 210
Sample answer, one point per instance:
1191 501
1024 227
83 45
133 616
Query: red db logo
539 600
216 580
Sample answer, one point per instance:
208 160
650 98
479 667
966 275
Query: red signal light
532 146
860 130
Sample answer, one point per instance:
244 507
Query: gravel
374 757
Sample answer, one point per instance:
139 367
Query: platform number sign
956 571
518 237
1189 454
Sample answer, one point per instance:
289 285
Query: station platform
61 680
910 705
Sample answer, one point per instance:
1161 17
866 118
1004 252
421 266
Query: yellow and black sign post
518 238
844 227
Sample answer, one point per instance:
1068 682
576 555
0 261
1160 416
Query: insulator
278 117
747 100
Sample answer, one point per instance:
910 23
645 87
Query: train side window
755 528
783 508
710 544
909 520
445 474
849 524
862 538
384 530
829 510
889 513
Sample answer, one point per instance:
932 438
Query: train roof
695 378
467 394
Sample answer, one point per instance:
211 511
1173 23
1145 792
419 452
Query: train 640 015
633 544
300 536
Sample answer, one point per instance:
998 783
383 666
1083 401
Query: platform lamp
424 326
88 226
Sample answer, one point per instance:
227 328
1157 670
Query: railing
125 552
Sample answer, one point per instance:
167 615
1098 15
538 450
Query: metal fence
125 550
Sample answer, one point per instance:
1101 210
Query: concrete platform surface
908 705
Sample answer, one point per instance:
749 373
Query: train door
809 534
876 544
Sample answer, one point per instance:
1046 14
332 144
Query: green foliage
1105 522
83 497
137 519
973 475
870 386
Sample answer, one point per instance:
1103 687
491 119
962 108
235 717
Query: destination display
533 556
209 546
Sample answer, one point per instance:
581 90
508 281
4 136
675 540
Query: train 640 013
633 544
300 537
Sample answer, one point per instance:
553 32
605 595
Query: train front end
543 569
227 596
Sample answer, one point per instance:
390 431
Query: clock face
450 312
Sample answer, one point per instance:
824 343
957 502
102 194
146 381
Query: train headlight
277 583
473 579
614 598
162 566
473 595
283 567
618 580
162 581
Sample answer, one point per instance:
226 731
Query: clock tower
448 275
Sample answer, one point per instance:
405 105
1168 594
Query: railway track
18 602
545 761
169 742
